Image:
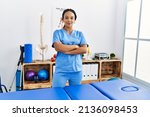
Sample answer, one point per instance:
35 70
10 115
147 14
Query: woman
70 44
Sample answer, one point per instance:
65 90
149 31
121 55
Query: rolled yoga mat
28 53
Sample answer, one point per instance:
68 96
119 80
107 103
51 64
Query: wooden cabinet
106 69
110 68
30 75
93 71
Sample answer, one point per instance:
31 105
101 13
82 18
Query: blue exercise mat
38 94
122 90
84 92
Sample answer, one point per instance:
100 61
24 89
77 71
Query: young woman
70 44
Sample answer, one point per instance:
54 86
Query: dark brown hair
71 10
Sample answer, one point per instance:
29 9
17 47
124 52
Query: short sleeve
55 37
83 41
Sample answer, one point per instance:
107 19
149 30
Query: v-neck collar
67 32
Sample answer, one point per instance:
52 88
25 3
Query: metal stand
20 62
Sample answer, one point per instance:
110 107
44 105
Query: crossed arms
70 49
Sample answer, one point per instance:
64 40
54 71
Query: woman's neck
68 29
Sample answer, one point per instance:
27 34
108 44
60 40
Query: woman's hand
76 46
78 50
64 48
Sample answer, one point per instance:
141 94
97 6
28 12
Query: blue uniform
67 64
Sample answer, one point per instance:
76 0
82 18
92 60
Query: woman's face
68 19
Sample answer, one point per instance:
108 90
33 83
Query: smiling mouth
69 23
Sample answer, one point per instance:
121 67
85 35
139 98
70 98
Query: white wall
19 24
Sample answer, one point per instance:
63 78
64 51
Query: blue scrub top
68 62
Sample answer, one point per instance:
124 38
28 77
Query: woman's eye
69 18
